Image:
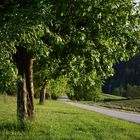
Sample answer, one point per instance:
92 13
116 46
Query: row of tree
79 39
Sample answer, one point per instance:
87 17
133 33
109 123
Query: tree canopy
92 34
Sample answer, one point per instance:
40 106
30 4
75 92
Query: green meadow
57 121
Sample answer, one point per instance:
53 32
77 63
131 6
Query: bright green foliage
8 74
98 34
58 87
54 88
80 36
86 92
88 87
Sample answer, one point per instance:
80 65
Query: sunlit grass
107 97
58 121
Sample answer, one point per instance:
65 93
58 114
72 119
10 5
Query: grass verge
58 121
116 102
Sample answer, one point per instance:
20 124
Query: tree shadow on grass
15 131
109 100
14 126
67 113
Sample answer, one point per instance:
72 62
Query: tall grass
58 121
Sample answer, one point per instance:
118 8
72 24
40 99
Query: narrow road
114 113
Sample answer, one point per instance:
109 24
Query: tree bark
30 89
21 100
24 64
43 92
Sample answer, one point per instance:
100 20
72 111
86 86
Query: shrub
119 91
58 87
133 91
86 92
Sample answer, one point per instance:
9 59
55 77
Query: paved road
114 113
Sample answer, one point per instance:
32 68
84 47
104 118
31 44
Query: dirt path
114 113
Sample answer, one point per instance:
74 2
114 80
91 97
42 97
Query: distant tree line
126 81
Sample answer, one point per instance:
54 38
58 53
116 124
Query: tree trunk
21 100
25 86
30 89
43 93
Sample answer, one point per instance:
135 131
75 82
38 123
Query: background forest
126 81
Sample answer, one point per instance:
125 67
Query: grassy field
58 121
108 97
117 102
